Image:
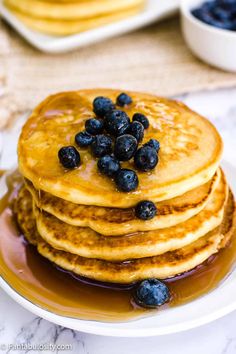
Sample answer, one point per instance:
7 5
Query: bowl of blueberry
209 28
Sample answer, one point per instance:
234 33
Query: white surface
155 10
20 327
215 46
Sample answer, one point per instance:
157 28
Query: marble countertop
22 332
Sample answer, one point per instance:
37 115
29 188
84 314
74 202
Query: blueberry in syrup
151 293
126 180
137 130
116 122
108 165
145 210
123 100
101 145
153 143
69 157
83 139
146 158
94 126
141 118
125 147
102 105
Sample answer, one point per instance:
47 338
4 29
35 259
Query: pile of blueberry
218 13
113 138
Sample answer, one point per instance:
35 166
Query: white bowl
215 46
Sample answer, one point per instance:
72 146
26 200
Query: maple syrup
63 293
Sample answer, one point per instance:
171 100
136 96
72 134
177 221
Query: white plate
155 10
205 309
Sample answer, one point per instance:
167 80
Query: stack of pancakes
64 17
81 222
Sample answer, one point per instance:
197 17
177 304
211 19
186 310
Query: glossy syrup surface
40 282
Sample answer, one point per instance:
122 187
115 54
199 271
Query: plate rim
120 329
86 327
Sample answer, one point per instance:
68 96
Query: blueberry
101 145
83 139
204 13
102 105
233 27
145 210
217 13
153 143
141 118
137 130
125 147
108 165
146 158
196 13
227 4
69 157
221 14
126 180
117 122
94 126
123 100
152 293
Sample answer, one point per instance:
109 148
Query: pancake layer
68 27
87 243
162 266
189 157
69 10
115 222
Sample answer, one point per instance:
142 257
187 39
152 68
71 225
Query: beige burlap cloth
154 59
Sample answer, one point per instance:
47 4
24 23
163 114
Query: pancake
66 27
190 152
70 10
163 266
114 221
87 243
22 208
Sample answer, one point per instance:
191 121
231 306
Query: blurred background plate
155 10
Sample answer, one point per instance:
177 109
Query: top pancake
190 150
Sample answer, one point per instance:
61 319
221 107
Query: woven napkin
154 59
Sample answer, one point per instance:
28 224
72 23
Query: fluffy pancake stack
81 222
66 17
